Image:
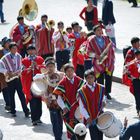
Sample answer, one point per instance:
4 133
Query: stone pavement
20 128
127 26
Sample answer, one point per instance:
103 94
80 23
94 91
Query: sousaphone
29 10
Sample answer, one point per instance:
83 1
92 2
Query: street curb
117 79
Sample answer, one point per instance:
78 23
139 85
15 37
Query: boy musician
31 66
66 91
90 101
104 66
133 69
11 62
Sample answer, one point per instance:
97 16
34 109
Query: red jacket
44 42
77 57
26 76
17 36
129 57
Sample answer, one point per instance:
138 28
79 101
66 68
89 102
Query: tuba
29 10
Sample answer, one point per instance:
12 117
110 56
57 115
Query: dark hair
137 52
88 72
80 137
19 18
49 60
74 24
67 66
44 16
60 23
31 47
96 27
134 40
12 44
68 28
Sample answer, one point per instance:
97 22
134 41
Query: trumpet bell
29 10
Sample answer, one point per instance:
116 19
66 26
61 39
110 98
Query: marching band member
44 32
99 43
31 66
11 62
18 32
3 84
90 98
51 99
77 59
133 70
130 55
66 91
61 43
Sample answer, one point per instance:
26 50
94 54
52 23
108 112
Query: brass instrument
104 54
50 24
11 76
29 10
27 36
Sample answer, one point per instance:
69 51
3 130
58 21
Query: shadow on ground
116 105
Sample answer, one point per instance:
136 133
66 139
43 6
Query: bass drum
39 87
109 124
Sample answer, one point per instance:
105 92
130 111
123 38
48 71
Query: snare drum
109 124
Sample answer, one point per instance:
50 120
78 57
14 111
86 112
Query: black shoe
134 5
7 108
39 121
108 97
13 115
27 114
34 123
3 21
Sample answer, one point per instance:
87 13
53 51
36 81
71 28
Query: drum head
104 120
38 87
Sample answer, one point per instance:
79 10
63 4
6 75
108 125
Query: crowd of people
77 66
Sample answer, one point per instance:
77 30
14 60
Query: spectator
109 19
1 11
132 131
90 15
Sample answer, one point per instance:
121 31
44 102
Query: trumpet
50 24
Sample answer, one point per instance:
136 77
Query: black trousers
108 82
6 96
36 108
23 52
62 57
136 85
95 134
133 1
14 86
47 55
80 71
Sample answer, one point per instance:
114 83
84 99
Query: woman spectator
90 15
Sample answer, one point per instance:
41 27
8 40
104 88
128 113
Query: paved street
19 127
127 26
